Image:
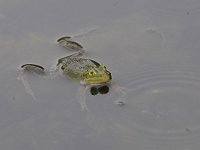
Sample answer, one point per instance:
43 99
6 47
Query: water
150 47
161 108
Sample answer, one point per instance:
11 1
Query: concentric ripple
162 105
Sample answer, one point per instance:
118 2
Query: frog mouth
109 74
106 78
100 80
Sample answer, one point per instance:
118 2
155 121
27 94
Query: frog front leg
122 91
81 96
119 89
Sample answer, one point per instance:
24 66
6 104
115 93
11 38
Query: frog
87 71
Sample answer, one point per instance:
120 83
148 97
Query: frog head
98 75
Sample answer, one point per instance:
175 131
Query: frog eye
92 73
63 67
102 68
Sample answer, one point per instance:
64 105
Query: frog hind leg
70 45
52 73
78 54
119 89
23 77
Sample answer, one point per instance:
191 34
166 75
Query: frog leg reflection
81 95
23 77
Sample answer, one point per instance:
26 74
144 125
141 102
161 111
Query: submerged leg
119 89
23 78
78 54
122 91
52 73
82 97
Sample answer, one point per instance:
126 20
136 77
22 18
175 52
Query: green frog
87 71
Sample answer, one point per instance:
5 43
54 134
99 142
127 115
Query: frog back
75 67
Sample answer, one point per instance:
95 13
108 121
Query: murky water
150 47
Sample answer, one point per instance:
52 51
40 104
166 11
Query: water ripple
162 106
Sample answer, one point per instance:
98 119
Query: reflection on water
162 107
94 91
101 89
